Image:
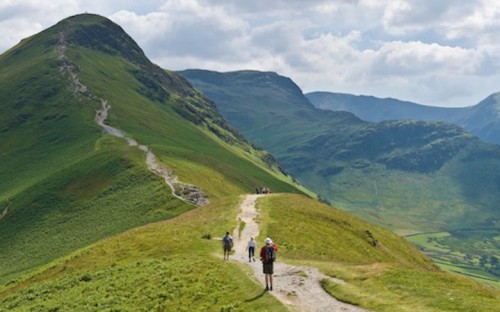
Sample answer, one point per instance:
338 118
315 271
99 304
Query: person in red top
268 256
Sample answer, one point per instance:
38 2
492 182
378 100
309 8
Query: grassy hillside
407 175
171 265
159 267
65 182
382 271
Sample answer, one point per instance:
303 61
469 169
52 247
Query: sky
438 53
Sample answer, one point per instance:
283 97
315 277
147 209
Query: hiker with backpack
268 256
251 249
227 245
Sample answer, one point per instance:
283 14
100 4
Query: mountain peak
99 33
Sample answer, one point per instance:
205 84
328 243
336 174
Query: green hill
64 182
407 175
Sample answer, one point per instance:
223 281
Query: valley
473 253
409 176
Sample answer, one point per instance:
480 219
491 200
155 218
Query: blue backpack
228 242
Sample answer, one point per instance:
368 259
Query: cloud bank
441 53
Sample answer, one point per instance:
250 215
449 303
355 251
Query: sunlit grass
158 267
391 276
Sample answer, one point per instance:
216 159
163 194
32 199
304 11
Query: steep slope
406 175
64 182
482 120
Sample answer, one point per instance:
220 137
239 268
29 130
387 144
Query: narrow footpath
296 287
183 191
186 192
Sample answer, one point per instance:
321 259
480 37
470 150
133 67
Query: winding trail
296 287
6 210
183 191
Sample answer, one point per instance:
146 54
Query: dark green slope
64 182
407 175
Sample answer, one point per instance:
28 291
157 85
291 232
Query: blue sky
440 53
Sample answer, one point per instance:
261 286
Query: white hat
268 241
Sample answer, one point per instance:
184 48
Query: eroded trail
186 192
296 287
183 191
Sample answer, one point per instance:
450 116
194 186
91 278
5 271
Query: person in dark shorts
268 256
227 245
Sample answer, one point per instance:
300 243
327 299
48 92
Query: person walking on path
251 249
268 256
227 245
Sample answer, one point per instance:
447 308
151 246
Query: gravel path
296 287
183 191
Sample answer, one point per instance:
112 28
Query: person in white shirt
251 249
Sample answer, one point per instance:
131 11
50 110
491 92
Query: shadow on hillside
256 297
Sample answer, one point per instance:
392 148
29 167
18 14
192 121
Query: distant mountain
482 120
65 182
407 175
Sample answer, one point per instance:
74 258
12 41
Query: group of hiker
263 190
267 255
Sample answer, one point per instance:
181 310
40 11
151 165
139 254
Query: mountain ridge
482 119
61 172
341 156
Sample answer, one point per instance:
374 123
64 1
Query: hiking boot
271 288
267 288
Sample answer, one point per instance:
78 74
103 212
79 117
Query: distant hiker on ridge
227 245
268 256
251 249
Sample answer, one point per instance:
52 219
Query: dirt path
5 211
183 191
296 287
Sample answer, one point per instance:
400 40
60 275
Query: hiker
251 249
268 256
227 245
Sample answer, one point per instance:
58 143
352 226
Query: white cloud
20 19
435 52
418 58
